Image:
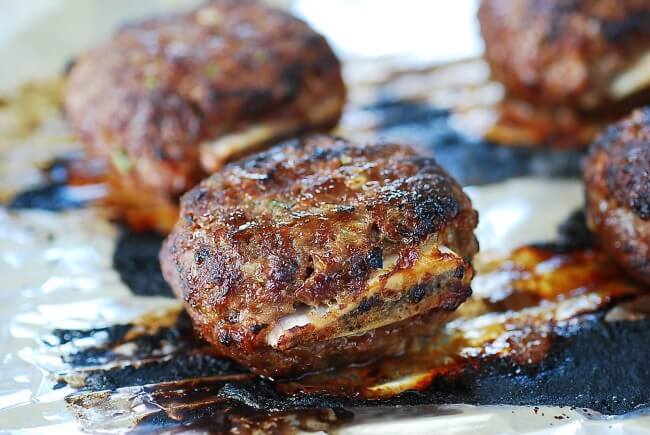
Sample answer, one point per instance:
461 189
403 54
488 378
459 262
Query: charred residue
57 191
136 260
578 360
472 161
111 334
600 366
166 377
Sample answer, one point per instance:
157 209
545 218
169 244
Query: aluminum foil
56 273
56 268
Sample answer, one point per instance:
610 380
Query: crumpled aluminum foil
56 273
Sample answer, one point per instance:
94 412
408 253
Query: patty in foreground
170 99
321 252
617 181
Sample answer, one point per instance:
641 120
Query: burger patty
169 99
321 252
582 54
617 181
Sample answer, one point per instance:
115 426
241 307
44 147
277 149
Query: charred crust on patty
627 177
617 182
627 168
459 272
417 293
374 260
321 239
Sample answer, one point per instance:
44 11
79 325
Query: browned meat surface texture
617 180
322 252
170 99
582 54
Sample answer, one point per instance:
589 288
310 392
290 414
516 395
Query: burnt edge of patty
627 161
616 182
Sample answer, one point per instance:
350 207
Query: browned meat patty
321 252
576 53
171 98
617 180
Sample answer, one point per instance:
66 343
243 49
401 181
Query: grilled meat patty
169 99
321 252
617 181
582 54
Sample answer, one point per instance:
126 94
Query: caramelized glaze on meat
171 98
617 180
321 252
575 53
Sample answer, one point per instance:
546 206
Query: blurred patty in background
570 63
170 99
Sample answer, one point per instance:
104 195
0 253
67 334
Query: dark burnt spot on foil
59 385
167 353
472 161
136 260
591 364
396 113
600 366
235 418
573 233
50 197
109 334
181 366
55 193
144 346
105 341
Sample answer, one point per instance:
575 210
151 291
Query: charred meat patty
322 252
617 181
169 99
582 54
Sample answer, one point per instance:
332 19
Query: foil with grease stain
532 335
547 293
125 358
